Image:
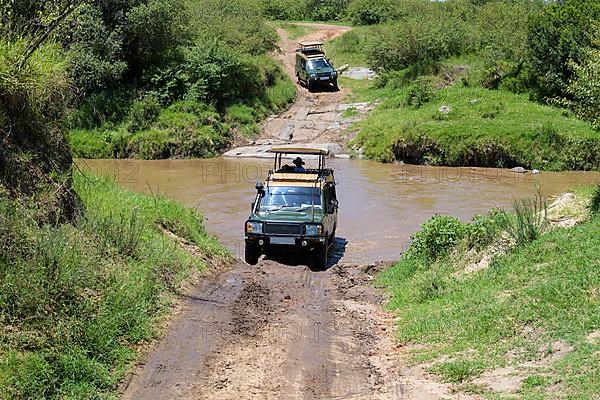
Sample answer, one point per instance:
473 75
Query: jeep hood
288 216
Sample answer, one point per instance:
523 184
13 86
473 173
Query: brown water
381 205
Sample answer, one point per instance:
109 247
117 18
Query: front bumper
286 243
325 80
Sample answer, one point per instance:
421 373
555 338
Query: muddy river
380 204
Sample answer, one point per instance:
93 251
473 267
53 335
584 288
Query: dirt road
273 332
279 330
315 118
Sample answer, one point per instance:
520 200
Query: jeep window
318 64
281 197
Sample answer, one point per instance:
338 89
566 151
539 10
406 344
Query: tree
557 40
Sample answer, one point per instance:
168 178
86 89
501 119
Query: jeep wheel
335 85
320 256
251 255
309 86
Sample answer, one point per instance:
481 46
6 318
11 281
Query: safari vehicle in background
313 68
293 211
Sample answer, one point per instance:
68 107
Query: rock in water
519 170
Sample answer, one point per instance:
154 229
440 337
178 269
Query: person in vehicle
299 165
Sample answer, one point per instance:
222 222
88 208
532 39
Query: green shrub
418 38
150 144
420 93
329 10
482 231
143 114
584 88
595 201
369 12
559 36
437 236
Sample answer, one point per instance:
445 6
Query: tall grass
529 221
76 297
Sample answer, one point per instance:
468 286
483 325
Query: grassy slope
484 127
76 299
509 313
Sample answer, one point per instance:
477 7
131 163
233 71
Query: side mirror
260 188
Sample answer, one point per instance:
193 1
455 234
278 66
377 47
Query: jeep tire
251 254
320 256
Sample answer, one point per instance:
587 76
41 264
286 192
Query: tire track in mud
269 332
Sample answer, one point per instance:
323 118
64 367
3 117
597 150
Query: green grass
508 313
76 299
483 128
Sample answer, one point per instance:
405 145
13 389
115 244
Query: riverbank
81 299
501 308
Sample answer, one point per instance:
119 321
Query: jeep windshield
320 63
291 198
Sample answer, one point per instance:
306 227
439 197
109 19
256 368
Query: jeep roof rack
320 153
311 46
298 150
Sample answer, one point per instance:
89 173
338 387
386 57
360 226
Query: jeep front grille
323 74
283 229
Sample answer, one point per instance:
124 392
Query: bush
584 88
329 10
35 159
528 223
595 201
397 45
420 93
287 9
558 36
370 12
437 237
150 144
143 114
482 231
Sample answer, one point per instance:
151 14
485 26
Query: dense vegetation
76 297
518 310
156 79
479 83
86 269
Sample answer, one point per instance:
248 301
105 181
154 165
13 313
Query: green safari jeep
294 210
313 68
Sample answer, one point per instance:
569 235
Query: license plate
325 78
283 240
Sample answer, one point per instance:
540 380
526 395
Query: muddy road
270 333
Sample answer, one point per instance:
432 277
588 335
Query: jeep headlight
334 74
313 75
313 230
254 227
